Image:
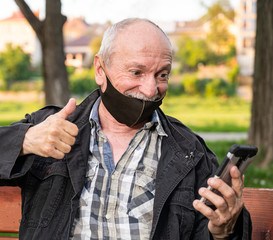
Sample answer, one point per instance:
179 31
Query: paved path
222 136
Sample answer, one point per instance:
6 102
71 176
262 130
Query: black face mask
127 110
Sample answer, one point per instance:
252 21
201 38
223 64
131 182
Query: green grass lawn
14 111
209 114
200 114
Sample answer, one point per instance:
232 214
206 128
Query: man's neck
119 135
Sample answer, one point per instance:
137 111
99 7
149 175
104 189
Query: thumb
68 109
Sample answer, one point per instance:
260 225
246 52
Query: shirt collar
94 114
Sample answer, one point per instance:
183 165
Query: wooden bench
258 201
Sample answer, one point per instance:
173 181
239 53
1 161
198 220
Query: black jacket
51 188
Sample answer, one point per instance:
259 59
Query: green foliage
176 89
207 87
81 83
192 52
219 87
233 75
219 45
220 15
195 86
70 70
14 65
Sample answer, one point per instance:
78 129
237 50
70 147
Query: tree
50 34
220 15
14 65
192 52
261 128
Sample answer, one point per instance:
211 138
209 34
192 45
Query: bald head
131 31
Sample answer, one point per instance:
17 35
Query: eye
163 76
136 72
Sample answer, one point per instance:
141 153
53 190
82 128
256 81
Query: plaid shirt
117 201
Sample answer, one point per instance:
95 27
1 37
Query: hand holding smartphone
238 155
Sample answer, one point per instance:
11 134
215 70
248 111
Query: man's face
141 62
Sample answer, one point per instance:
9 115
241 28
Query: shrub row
82 83
202 87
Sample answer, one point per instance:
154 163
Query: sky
101 11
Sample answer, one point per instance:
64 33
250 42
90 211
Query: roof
18 15
81 41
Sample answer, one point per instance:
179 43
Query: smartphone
238 155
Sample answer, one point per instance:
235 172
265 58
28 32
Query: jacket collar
78 157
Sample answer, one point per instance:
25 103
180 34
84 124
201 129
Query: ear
99 72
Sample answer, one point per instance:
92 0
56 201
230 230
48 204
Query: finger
67 139
61 140
237 181
63 147
217 200
50 150
70 128
228 194
204 209
68 109
57 154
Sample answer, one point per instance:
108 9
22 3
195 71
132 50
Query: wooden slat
8 238
259 202
10 209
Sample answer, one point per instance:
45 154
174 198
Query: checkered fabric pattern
117 201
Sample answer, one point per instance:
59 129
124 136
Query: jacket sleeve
12 166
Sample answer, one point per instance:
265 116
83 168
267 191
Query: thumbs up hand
54 136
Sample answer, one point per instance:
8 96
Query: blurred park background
218 84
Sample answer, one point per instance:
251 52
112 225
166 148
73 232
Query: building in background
78 35
16 30
246 16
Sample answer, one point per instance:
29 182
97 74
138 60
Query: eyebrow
166 67
141 66
137 65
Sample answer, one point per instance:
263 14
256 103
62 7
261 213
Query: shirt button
108 216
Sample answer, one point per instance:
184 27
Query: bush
176 89
194 86
219 87
82 83
233 74
15 65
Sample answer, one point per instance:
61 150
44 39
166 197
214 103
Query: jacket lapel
78 157
178 158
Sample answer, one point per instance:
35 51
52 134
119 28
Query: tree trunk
261 128
50 34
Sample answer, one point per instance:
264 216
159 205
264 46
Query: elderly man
115 166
